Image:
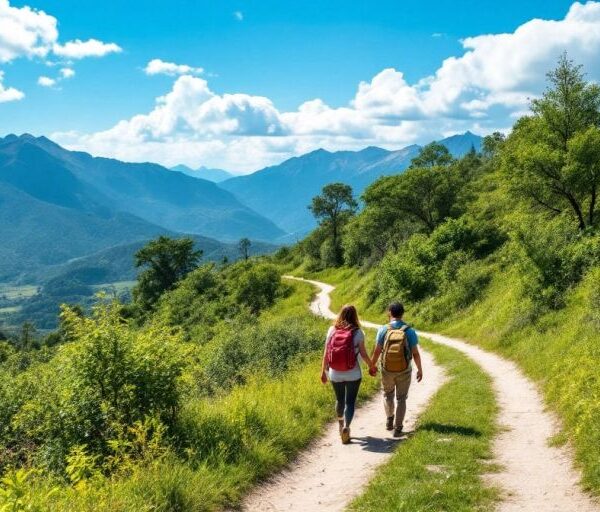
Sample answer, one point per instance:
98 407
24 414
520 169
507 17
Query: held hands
373 371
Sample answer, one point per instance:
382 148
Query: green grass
440 467
351 286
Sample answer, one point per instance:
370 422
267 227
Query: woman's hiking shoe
345 435
389 424
341 425
398 432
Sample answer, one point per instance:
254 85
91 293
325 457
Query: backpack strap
404 328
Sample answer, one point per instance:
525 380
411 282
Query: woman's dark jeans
345 394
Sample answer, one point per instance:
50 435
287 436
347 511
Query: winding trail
328 475
534 476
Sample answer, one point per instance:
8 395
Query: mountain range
57 204
283 192
214 175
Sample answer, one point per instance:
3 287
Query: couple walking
396 344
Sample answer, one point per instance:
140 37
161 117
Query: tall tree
432 155
26 340
166 261
551 157
244 248
492 143
424 195
333 207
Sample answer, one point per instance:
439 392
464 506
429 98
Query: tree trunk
592 206
577 210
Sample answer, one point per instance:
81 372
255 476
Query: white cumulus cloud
160 67
25 32
46 81
482 89
9 93
78 49
30 33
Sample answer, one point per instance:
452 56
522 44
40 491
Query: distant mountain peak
204 173
373 150
320 151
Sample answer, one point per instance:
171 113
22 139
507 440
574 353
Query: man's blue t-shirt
411 334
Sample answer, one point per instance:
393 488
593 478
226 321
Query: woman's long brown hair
347 318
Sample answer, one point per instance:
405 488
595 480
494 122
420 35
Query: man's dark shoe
398 432
389 424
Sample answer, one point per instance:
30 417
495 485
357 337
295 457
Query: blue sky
288 52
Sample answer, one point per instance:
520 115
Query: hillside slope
117 263
170 199
35 233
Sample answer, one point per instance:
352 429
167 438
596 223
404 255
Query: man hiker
397 345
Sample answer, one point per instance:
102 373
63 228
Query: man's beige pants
396 384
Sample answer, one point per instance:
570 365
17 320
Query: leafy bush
256 287
93 390
270 348
425 264
552 257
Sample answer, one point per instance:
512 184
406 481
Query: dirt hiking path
534 477
328 475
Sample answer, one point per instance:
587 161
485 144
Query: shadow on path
380 445
388 444
450 429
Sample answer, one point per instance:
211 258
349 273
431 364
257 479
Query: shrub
256 287
97 387
269 348
552 257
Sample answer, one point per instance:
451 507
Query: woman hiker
345 341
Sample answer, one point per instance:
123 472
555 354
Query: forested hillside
57 188
77 281
501 247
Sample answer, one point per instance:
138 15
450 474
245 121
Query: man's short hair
396 309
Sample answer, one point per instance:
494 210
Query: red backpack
341 355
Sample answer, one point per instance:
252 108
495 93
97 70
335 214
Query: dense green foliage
165 261
125 414
553 157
